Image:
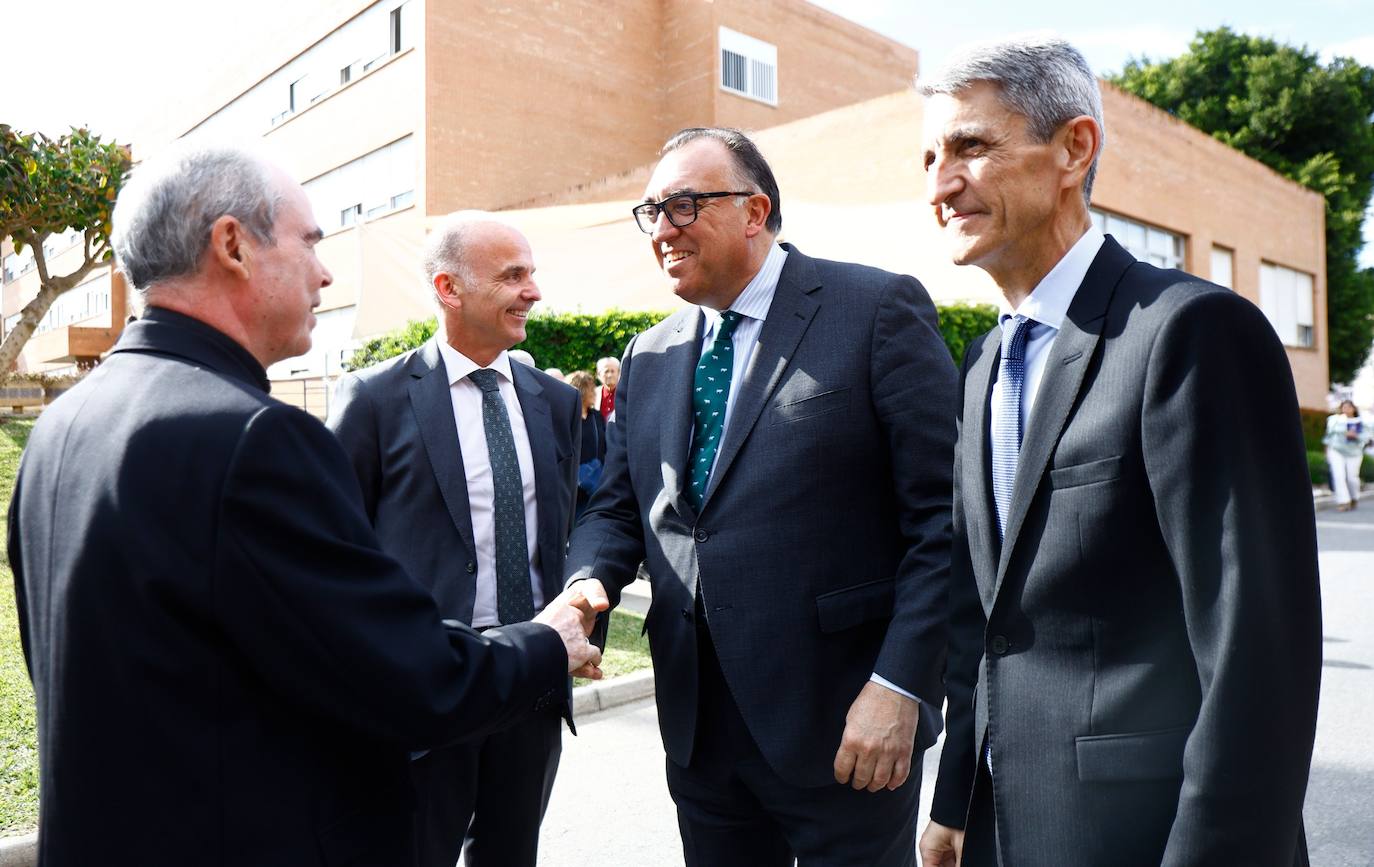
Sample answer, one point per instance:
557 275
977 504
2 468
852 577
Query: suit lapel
789 316
980 518
1063 378
534 405
432 404
675 418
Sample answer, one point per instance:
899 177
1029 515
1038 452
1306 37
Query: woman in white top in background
1346 436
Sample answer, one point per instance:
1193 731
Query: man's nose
663 227
942 182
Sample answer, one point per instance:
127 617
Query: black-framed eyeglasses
681 210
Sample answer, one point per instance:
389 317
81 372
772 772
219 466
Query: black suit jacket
821 549
216 640
1149 631
395 421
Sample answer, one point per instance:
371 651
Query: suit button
687 614
999 644
702 535
471 567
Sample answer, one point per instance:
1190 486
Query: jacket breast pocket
1075 476
1134 757
851 606
814 405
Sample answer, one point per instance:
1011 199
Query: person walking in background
593 457
467 461
1135 650
1346 437
608 372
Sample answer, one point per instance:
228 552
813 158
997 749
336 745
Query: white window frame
1223 270
1158 246
1286 297
760 66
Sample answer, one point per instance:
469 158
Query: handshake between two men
572 614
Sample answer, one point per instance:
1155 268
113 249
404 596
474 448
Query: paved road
610 805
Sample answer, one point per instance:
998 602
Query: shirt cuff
882 681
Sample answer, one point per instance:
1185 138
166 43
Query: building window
1147 243
396 30
349 215
400 200
1286 298
1223 260
748 66
372 185
294 96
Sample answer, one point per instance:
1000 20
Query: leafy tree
49 186
1309 122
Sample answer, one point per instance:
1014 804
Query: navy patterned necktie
1007 434
514 597
710 394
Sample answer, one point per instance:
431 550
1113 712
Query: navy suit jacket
821 550
215 637
395 421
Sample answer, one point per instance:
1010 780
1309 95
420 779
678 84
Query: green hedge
574 341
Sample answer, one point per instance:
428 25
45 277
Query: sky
116 70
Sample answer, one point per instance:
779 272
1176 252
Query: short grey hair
163 217
1043 78
446 248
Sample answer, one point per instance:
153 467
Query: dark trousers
484 799
734 810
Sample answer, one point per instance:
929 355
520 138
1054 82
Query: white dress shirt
1047 304
752 305
472 439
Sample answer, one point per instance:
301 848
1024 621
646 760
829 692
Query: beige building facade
394 112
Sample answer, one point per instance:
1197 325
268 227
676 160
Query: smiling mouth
672 257
519 314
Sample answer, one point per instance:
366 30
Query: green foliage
1318 469
961 323
1309 122
379 349
51 185
1367 469
18 727
574 341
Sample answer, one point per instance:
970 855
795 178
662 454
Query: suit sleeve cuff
882 681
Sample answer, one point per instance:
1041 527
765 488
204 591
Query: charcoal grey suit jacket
1146 641
821 548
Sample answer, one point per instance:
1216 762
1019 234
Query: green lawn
18 733
627 649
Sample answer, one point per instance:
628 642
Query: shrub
961 323
1318 469
574 341
1313 428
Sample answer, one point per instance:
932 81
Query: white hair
163 216
446 248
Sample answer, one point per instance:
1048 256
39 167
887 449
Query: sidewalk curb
1320 502
595 697
19 851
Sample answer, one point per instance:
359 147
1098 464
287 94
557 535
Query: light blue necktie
1007 433
514 596
710 393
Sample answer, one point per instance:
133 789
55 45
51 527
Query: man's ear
1082 139
230 247
757 207
447 291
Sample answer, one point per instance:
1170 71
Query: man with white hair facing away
1135 624
216 639
468 465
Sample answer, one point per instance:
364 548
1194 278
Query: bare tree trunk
48 291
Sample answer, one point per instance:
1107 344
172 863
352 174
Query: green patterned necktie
710 393
514 596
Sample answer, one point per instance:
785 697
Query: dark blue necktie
710 394
1007 433
514 597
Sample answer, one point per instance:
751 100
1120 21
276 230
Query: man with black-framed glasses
781 458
